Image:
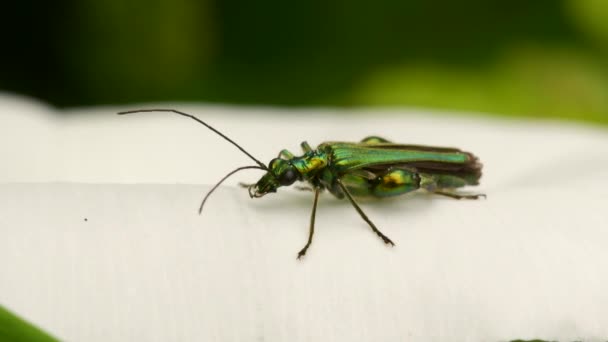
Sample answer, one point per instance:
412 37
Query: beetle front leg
311 231
285 154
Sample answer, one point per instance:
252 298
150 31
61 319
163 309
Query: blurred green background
542 58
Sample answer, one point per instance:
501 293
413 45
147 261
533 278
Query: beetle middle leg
305 147
363 216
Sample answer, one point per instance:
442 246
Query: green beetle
374 167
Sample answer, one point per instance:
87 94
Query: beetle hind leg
375 140
443 185
394 182
458 196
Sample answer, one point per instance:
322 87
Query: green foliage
14 329
543 58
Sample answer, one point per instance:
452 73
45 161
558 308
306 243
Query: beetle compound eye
288 177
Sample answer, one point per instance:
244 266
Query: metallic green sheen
348 156
373 167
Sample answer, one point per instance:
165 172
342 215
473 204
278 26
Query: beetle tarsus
387 240
302 252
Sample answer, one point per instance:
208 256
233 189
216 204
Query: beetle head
280 173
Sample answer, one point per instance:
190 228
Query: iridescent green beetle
374 167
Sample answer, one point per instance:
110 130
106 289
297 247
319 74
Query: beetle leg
442 185
395 181
311 231
285 154
363 216
374 140
305 147
457 196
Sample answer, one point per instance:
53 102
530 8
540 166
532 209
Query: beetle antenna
262 166
200 209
